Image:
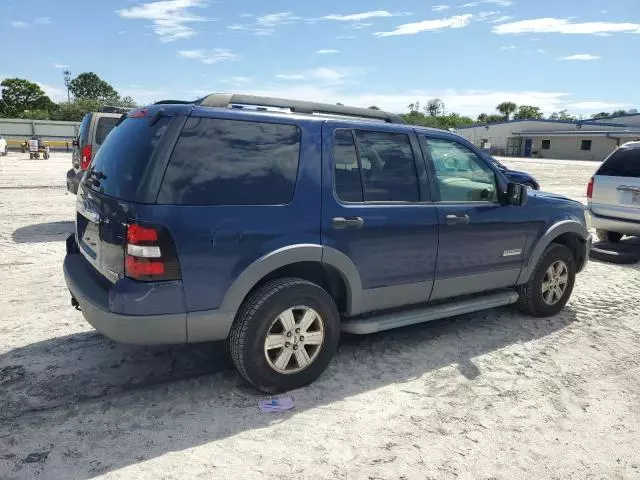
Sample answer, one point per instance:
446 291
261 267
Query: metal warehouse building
576 140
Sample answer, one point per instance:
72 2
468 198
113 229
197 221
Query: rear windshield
105 125
624 162
84 130
232 162
120 162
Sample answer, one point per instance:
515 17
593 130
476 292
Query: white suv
4 149
614 194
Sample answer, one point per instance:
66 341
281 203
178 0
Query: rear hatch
616 185
106 200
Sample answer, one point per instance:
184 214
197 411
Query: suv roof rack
179 102
224 100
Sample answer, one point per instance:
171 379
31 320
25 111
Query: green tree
19 95
618 113
562 115
434 107
373 107
506 109
596 116
89 86
482 118
74 111
528 112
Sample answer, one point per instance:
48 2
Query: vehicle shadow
43 232
144 396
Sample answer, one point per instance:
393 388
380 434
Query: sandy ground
488 395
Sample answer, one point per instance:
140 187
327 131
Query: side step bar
363 326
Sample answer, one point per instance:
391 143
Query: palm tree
506 109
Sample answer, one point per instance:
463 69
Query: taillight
151 254
86 157
590 189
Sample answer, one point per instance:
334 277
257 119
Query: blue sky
575 54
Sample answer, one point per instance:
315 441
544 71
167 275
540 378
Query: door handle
457 219
348 222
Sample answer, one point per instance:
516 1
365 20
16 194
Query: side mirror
516 194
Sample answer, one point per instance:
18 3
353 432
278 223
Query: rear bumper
94 299
73 180
625 227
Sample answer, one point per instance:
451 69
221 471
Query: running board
378 323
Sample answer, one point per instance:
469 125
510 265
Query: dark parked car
514 175
278 230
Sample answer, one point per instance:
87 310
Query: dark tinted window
228 162
105 125
345 165
84 129
388 167
546 144
586 145
624 162
121 160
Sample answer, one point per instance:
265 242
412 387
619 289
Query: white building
576 140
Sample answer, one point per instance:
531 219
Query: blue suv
278 224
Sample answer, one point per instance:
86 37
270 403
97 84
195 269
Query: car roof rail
253 102
178 102
113 109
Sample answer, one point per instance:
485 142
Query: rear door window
119 164
232 162
105 125
624 162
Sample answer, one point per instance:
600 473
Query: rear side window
388 171
83 133
120 162
105 125
232 162
624 162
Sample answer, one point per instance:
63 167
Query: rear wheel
607 236
551 283
285 335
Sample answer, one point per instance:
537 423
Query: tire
532 300
31 156
607 236
260 316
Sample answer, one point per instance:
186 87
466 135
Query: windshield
122 158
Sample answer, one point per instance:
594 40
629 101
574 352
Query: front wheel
285 335
551 283
607 236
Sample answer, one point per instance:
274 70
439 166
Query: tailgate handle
627 188
457 219
348 222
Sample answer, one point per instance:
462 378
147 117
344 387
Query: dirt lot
488 395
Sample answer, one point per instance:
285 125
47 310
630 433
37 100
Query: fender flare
288 255
553 232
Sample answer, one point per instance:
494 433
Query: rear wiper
156 116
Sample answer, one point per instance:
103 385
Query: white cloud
19 24
56 94
43 21
60 65
581 57
359 26
458 21
216 55
564 26
508 47
501 19
358 17
145 96
170 18
487 14
327 51
440 8
274 19
501 3
290 76
541 50
345 37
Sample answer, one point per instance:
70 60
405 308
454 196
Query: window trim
422 192
423 137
